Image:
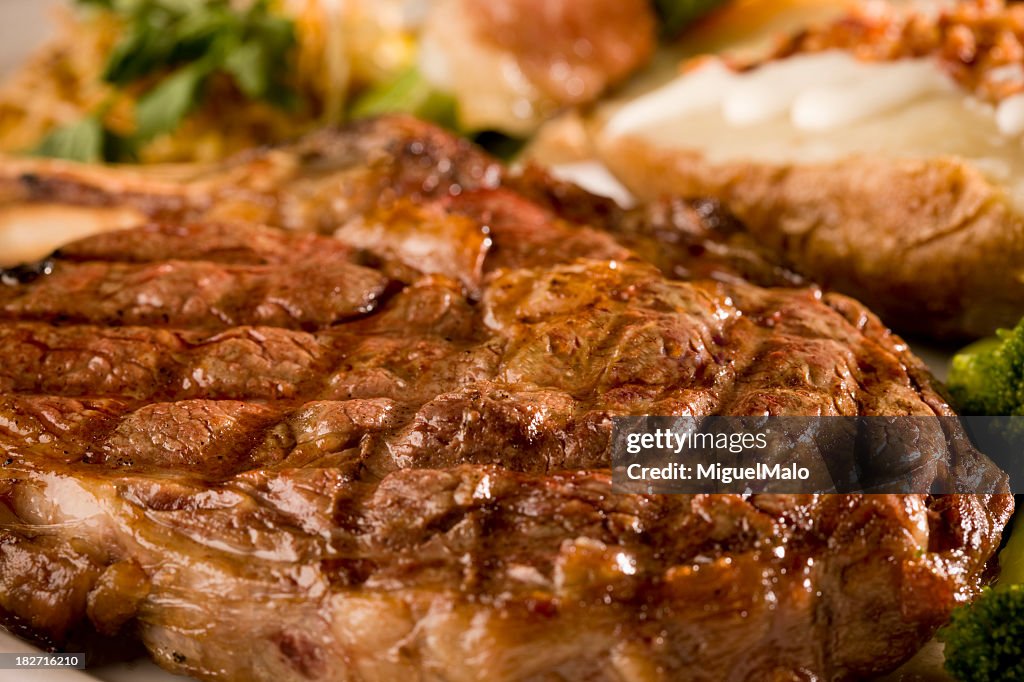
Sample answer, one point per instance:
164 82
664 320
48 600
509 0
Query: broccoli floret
985 640
987 377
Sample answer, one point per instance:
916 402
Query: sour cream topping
817 92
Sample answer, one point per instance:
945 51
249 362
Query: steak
277 456
315 184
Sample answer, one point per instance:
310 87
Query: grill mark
151 364
198 295
215 439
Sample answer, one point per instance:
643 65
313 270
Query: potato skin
931 245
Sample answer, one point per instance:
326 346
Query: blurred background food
195 80
164 81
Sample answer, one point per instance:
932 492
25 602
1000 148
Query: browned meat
197 294
390 188
694 239
209 242
145 364
316 184
405 475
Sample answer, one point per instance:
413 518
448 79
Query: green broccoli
985 640
987 377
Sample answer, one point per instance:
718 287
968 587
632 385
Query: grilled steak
392 169
314 184
281 456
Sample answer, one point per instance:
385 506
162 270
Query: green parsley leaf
80 141
248 65
140 52
162 109
409 93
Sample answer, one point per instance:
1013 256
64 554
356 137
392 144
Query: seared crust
932 246
424 490
479 572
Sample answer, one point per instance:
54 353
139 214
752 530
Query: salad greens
1011 556
171 49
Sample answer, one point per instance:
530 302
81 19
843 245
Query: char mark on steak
273 456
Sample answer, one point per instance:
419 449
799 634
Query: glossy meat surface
385 454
